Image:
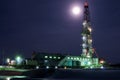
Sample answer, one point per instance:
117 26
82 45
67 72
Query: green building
43 60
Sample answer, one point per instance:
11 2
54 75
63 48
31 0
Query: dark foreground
66 74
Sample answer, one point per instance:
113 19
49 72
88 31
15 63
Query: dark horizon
48 26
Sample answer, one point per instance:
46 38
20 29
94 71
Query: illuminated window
50 57
74 58
46 56
54 57
58 57
77 58
68 57
71 57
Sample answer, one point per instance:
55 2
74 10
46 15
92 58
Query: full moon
76 10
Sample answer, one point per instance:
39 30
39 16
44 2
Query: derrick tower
86 60
87 49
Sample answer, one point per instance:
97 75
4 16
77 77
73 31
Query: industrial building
85 60
43 60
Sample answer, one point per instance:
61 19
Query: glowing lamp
89 29
102 61
18 59
8 60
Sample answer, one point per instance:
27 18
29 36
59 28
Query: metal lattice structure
86 60
87 49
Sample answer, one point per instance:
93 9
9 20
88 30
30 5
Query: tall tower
87 49
86 60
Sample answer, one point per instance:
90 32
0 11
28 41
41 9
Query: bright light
71 57
18 59
8 78
90 41
84 51
84 23
88 56
68 57
47 67
37 67
76 10
77 58
46 56
56 67
89 29
84 45
12 62
102 67
65 67
8 60
58 57
54 57
74 58
84 38
102 61
91 67
50 57
89 63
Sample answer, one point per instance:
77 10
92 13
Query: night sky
49 26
